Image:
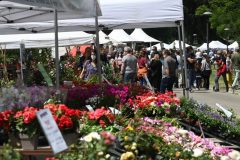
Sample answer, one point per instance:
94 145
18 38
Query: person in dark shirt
155 67
191 61
220 61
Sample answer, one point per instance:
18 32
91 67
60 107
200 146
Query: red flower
65 122
102 123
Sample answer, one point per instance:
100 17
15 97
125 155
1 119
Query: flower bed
131 134
214 122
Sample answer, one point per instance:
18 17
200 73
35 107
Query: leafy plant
7 152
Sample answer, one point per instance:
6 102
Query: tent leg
185 61
181 58
56 55
98 48
22 50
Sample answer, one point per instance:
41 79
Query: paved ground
227 100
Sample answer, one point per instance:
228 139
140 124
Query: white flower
107 156
152 103
235 155
197 152
224 158
87 138
182 132
91 136
100 153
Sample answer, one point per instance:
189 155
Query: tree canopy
225 14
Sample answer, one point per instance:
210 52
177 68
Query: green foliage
225 15
8 153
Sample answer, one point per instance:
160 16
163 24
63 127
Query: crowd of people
163 69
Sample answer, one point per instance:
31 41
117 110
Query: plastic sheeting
140 35
116 14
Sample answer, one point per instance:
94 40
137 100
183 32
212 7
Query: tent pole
98 46
181 58
56 54
185 61
22 50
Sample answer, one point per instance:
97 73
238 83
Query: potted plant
67 120
27 127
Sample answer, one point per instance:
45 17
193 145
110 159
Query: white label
51 131
114 110
228 113
89 108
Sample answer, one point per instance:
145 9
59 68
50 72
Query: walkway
227 100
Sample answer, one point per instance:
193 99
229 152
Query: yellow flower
126 138
178 154
129 128
128 156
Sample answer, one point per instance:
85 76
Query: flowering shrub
18 98
100 116
66 118
26 121
150 104
92 146
6 119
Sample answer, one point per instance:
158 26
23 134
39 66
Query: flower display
26 121
66 118
6 119
154 104
101 116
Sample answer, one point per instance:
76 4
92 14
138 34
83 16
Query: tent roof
103 38
217 44
140 35
41 40
117 14
121 36
175 44
12 12
165 45
234 45
203 47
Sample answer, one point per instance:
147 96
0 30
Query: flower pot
14 140
27 142
70 138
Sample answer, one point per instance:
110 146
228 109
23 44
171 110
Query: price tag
51 131
89 108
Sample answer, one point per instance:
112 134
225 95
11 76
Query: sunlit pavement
226 99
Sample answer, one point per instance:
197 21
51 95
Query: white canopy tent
159 47
43 40
121 36
116 14
217 45
19 11
203 47
140 35
175 44
103 38
234 45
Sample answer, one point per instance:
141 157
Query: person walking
235 66
129 66
221 71
206 70
191 61
169 72
155 72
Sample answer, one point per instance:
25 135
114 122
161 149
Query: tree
225 14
